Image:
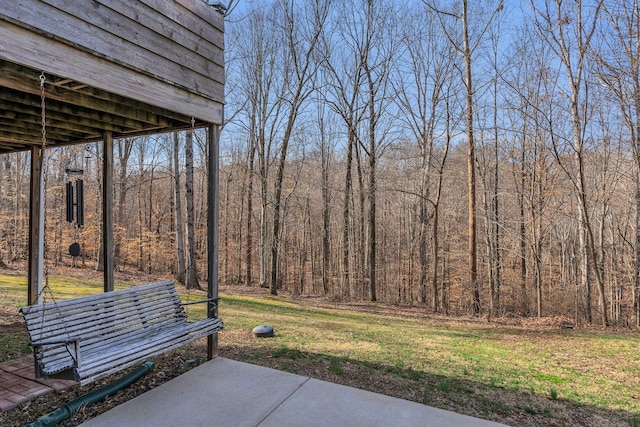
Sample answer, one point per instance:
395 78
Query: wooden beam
10 143
19 79
56 130
36 227
107 211
15 105
20 139
7 146
64 127
213 232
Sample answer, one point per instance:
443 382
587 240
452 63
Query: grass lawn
519 374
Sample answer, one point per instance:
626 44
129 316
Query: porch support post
213 142
107 211
36 227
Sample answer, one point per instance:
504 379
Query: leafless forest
469 157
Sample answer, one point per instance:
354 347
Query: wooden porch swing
87 338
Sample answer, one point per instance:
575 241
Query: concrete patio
224 392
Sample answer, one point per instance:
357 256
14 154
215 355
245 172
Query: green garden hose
59 415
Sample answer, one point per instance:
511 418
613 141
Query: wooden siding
169 54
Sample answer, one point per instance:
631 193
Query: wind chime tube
75 202
69 202
80 202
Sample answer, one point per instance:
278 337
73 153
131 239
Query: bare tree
141 202
180 273
529 94
463 43
326 147
300 41
260 85
569 30
8 195
249 229
377 52
343 80
357 67
4 160
124 148
192 269
419 89
619 70
491 178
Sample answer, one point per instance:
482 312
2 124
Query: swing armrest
200 301
72 340
213 311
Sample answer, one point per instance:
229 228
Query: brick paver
18 383
15 390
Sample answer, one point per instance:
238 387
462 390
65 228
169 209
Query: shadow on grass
460 395
465 396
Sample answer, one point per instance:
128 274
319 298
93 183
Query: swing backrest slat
100 314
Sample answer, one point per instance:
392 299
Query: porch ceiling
74 112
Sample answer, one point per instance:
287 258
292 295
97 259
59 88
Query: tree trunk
225 237
264 256
346 229
326 250
372 220
423 217
538 282
360 240
249 248
436 220
523 233
99 196
192 272
636 275
634 128
496 255
180 274
141 218
149 226
372 186
124 153
471 171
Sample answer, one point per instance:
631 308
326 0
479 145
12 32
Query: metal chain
43 79
46 290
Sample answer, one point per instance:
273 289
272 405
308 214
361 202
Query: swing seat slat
88 338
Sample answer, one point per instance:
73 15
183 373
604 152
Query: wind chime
75 206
